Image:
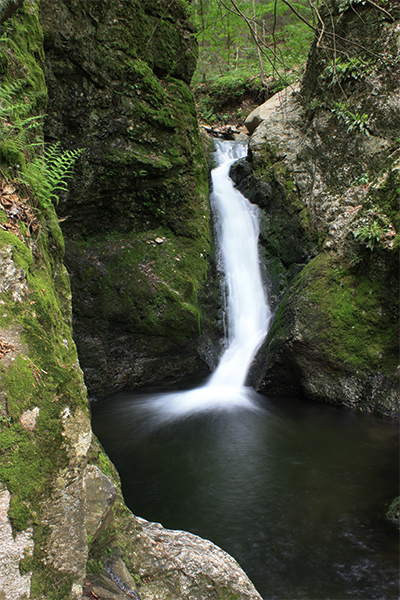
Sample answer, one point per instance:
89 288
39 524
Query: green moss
154 285
228 595
10 154
386 194
393 512
46 582
44 373
23 60
20 252
353 315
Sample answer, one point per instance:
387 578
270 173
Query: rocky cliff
64 529
136 215
324 165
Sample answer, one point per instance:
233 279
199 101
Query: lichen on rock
11 278
13 585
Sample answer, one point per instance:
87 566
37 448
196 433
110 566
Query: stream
295 491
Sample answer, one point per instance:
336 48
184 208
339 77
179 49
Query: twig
32 363
381 9
298 15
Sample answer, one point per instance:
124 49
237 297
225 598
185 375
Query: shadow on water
295 491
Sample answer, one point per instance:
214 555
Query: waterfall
247 311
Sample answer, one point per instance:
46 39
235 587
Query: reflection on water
294 491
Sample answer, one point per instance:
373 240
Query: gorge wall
136 223
65 531
324 166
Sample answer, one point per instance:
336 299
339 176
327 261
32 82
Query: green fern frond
8 104
45 175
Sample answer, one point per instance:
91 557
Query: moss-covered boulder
118 74
137 309
325 164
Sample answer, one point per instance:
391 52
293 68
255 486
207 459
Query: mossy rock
286 242
148 295
334 337
121 91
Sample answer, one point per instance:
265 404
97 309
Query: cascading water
247 310
248 313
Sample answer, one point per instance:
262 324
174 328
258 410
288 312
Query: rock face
65 531
117 76
325 167
12 551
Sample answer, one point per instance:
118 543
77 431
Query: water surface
295 491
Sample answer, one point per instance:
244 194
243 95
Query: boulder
262 112
117 77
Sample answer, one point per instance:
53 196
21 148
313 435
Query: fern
8 105
17 128
46 175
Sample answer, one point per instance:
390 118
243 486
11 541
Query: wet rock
180 564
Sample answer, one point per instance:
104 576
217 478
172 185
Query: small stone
159 240
28 419
77 590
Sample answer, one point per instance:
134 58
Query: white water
247 310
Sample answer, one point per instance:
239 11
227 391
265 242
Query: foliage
339 71
371 234
258 37
46 175
354 121
219 100
393 512
21 127
346 4
17 128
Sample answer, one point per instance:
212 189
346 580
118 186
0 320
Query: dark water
295 491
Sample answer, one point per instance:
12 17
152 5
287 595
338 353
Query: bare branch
381 9
298 15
